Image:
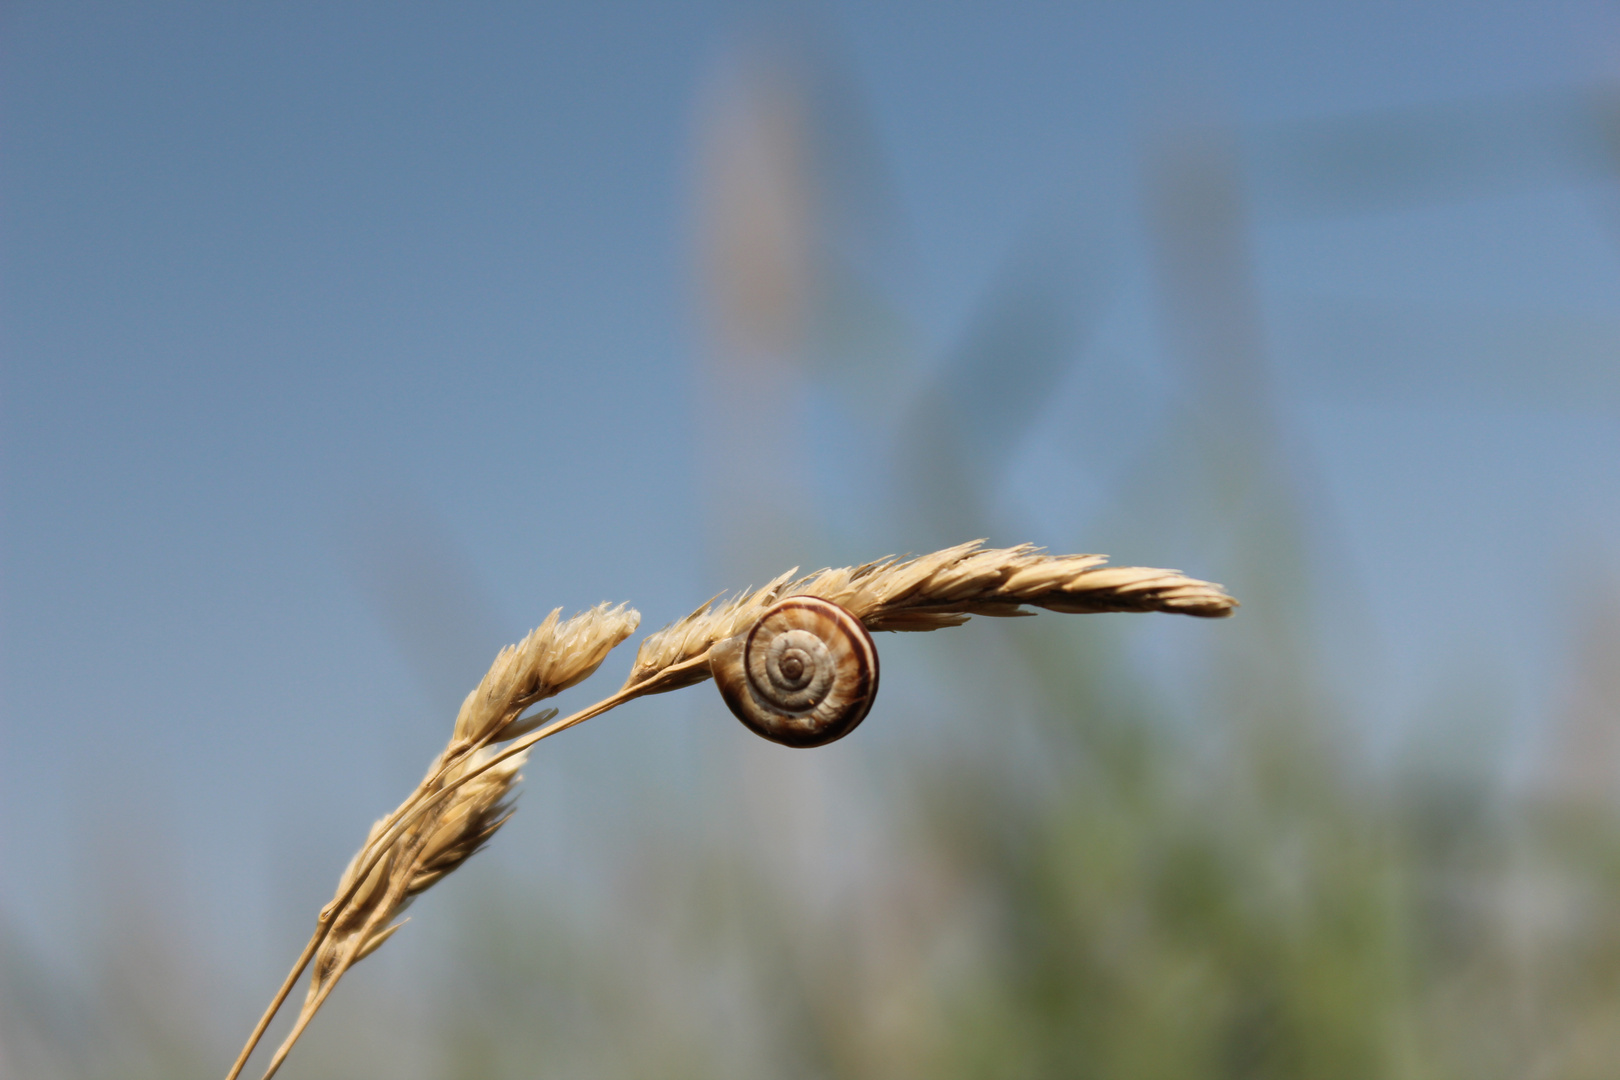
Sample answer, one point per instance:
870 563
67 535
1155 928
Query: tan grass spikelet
475 812
415 859
938 590
419 858
458 806
551 658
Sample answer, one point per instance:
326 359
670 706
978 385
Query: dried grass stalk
371 895
458 806
939 590
466 795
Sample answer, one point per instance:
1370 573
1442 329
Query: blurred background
340 343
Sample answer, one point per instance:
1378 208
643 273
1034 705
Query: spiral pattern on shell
803 675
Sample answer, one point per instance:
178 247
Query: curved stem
351 953
323 922
386 838
276 1002
419 802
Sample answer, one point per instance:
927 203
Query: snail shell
804 675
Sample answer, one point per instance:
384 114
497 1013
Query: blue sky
293 290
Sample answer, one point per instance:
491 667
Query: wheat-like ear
466 795
457 807
416 859
939 590
554 656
